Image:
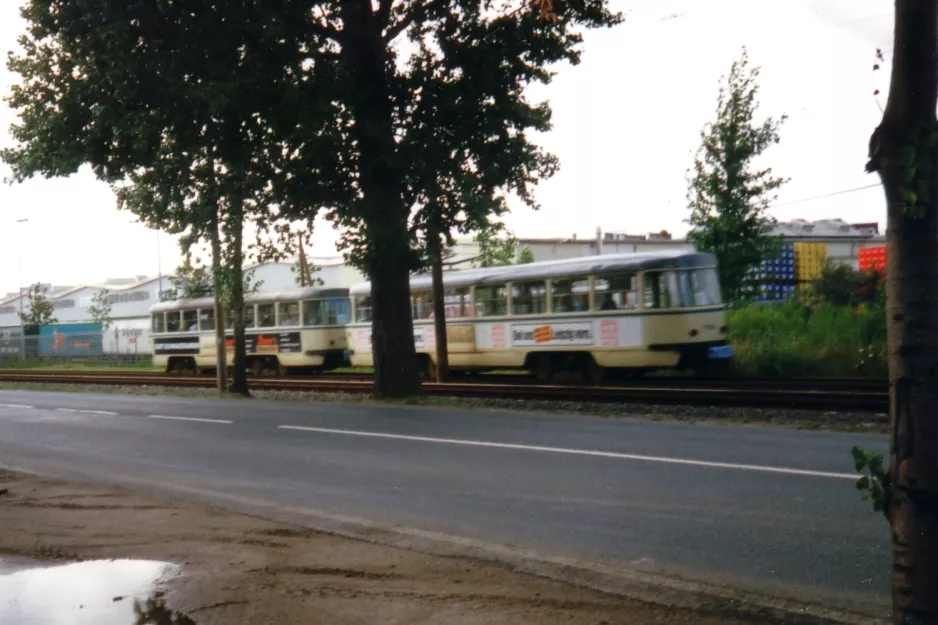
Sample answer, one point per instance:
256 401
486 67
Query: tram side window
289 314
706 287
615 292
491 301
312 313
458 303
249 316
229 320
159 323
528 298
190 321
265 315
338 311
662 290
362 309
570 295
172 321
206 319
422 302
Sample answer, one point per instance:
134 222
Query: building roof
579 266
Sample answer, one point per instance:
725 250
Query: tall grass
790 340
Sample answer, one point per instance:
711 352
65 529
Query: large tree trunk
389 256
439 306
912 309
221 355
239 381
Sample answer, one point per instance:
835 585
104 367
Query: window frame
162 327
596 304
280 315
571 294
356 308
545 296
259 318
210 312
476 301
178 315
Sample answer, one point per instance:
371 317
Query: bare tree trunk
221 354
439 306
239 375
909 126
365 58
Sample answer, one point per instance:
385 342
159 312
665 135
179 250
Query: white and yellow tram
589 315
301 328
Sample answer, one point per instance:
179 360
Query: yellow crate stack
810 260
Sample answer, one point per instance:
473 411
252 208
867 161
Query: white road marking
14 406
224 421
582 452
101 412
66 410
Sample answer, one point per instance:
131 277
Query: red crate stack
872 259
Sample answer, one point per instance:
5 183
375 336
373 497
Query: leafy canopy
100 309
727 192
40 308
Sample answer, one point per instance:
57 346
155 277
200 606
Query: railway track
829 394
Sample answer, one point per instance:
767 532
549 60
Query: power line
819 197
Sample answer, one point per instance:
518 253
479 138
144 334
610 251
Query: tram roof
290 295
580 266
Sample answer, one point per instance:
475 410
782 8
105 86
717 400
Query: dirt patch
239 569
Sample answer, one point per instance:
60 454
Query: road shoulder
241 569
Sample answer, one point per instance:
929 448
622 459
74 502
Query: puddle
97 592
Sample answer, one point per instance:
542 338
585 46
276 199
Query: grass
142 364
791 340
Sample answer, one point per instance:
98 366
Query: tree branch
419 12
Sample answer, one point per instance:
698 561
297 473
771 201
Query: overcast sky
626 126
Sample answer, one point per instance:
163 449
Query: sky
626 125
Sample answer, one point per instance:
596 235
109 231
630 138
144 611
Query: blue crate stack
774 278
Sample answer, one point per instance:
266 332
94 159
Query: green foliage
311 279
791 340
526 256
842 285
497 246
875 482
40 308
100 309
728 196
189 281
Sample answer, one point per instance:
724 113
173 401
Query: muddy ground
239 569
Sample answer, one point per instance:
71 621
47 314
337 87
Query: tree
395 78
903 150
189 137
189 281
497 245
727 194
100 309
304 271
526 256
40 308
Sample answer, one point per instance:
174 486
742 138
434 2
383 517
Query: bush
823 340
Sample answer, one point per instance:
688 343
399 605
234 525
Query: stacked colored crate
810 260
773 279
872 259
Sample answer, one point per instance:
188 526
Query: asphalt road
768 510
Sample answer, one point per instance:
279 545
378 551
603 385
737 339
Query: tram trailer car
300 328
589 315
